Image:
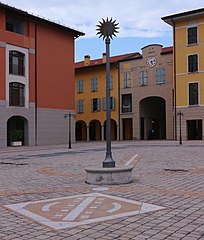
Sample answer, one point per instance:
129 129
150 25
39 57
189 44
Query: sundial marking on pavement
71 211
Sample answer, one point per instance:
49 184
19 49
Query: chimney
86 60
104 58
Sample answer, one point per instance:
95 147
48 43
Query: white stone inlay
49 212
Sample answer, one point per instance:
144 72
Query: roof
113 59
183 16
39 19
166 50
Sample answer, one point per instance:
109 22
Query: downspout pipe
174 79
36 84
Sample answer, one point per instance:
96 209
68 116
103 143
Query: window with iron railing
126 103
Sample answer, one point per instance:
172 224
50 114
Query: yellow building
188 33
90 97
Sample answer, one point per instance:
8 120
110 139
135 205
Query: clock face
151 62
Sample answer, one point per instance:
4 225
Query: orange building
91 97
36 78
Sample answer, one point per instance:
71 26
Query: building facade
188 32
90 98
146 95
36 78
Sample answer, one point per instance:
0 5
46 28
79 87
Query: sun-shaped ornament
107 29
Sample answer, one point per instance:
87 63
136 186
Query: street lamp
180 114
107 29
69 128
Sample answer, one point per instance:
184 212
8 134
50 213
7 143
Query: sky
139 21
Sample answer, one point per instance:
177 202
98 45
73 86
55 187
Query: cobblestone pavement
167 175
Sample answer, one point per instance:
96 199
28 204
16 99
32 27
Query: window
112 103
111 82
94 84
126 80
80 106
143 78
15 25
193 63
193 93
79 86
160 76
16 63
126 103
192 35
95 104
16 94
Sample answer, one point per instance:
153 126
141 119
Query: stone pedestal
108 176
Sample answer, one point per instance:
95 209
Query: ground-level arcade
95 130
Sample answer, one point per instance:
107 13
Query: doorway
194 128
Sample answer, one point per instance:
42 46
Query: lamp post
107 29
180 114
69 128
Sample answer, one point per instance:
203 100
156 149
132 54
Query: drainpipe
36 84
119 101
174 79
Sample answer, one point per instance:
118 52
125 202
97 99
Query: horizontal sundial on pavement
72 211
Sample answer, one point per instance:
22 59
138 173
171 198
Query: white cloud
136 18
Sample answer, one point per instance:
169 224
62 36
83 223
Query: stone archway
152 118
17 130
95 130
80 131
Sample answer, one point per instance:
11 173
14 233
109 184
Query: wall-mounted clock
151 62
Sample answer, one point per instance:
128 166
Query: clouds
136 18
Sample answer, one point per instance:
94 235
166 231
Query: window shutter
113 103
128 79
92 104
82 106
96 84
111 82
80 85
78 106
104 104
98 103
141 78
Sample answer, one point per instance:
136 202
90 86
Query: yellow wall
182 52
86 74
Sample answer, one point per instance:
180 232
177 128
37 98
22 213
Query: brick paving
167 175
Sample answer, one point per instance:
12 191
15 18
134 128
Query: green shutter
98 104
104 104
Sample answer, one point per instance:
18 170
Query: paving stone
42 173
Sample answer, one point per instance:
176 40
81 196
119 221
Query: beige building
146 95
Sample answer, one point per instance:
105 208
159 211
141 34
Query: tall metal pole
108 162
70 130
108 29
180 136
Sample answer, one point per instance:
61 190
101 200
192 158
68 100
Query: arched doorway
17 130
113 130
95 130
152 118
80 131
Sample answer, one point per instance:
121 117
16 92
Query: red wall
55 56
55 63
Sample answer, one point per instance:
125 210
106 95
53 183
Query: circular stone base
116 175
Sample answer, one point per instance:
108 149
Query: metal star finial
107 29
